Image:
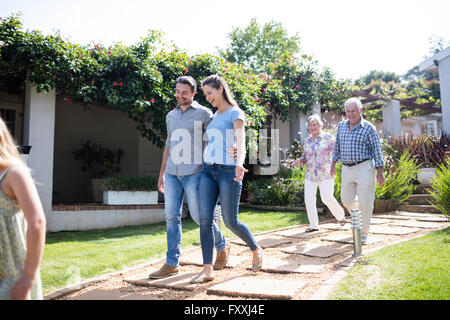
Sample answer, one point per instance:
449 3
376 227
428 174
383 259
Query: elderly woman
318 149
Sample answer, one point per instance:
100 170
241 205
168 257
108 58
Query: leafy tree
255 46
378 75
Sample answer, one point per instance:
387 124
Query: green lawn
71 257
413 270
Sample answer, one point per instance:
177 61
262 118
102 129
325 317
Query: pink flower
68 100
121 84
264 89
186 70
190 61
109 52
115 83
251 123
152 101
297 86
268 103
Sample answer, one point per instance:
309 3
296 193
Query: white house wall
74 126
38 132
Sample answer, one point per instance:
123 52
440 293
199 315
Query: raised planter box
130 197
381 206
426 175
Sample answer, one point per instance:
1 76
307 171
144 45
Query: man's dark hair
187 80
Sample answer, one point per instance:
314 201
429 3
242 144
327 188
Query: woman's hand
299 162
240 171
21 288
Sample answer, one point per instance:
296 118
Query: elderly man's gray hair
354 101
314 117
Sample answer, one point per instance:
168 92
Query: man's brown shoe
163 272
222 258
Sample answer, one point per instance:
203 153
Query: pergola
441 61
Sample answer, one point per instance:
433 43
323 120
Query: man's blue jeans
217 180
175 187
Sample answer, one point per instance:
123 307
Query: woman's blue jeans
217 180
175 187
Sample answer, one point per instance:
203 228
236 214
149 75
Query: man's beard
184 102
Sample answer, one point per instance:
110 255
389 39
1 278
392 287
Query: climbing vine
140 79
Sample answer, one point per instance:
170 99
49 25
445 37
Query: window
431 128
9 116
12 115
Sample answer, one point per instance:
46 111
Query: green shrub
284 189
427 151
398 183
338 181
440 188
130 183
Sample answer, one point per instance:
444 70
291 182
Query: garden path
297 265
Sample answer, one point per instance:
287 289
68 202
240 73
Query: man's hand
161 184
380 176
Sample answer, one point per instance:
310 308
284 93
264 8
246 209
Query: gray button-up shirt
185 139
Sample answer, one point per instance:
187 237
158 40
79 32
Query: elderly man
180 176
358 147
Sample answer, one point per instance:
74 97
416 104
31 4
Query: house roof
433 62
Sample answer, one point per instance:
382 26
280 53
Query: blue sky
351 37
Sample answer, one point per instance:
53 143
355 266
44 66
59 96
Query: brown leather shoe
165 271
222 258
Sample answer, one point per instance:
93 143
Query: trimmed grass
72 257
413 270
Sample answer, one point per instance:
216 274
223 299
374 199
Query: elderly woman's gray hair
314 117
354 101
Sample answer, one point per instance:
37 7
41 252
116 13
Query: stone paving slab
345 238
434 219
313 250
393 217
299 233
179 281
196 258
336 226
264 242
379 221
418 224
390 230
259 288
419 215
98 294
276 265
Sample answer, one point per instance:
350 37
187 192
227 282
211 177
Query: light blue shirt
220 133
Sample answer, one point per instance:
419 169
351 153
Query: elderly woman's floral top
317 154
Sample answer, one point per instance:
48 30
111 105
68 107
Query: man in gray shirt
182 163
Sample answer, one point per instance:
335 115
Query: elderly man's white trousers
358 191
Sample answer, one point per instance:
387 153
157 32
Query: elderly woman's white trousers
326 194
